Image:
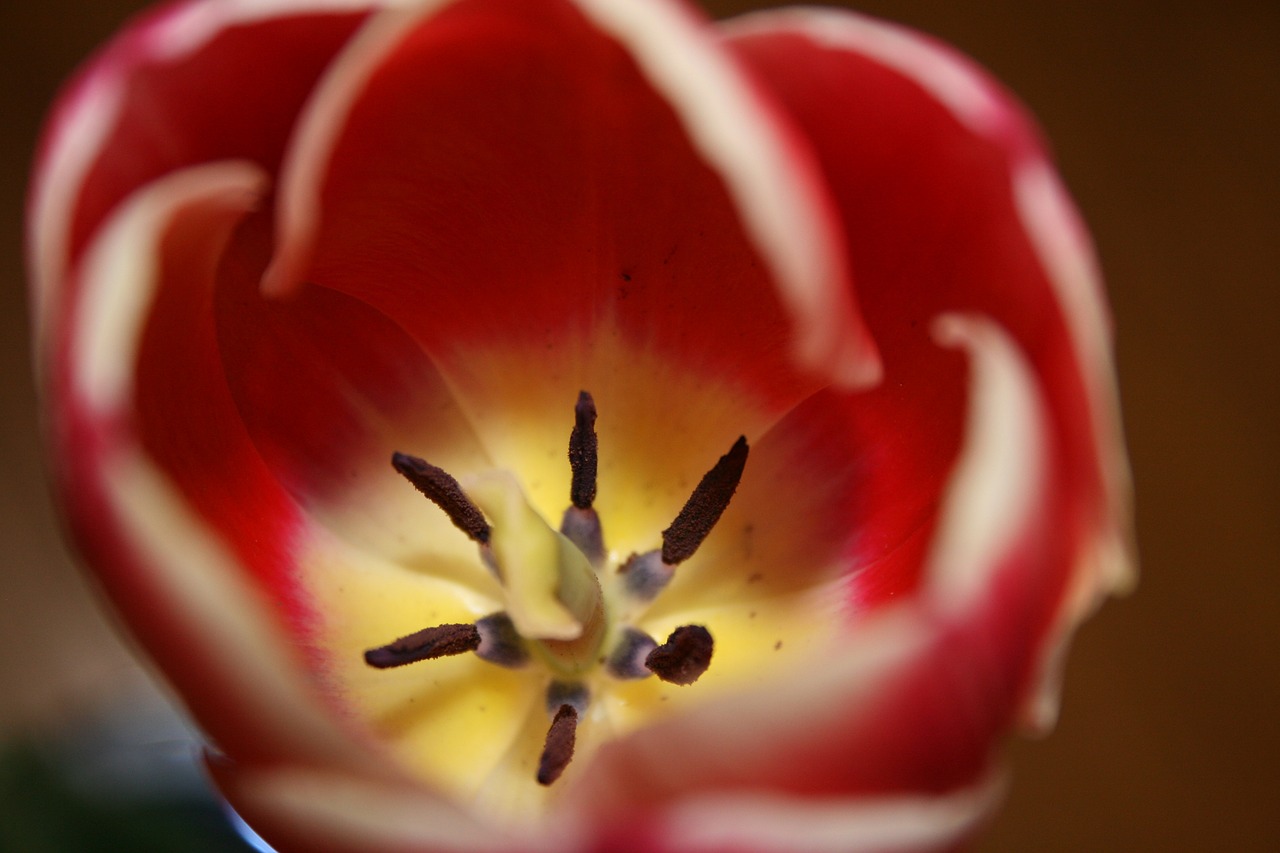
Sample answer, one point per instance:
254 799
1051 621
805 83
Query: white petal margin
77 133
341 813
1108 563
949 76
316 134
769 174
757 822
90 112
991 494
1109 566
189 31
122 270
186 563
774 181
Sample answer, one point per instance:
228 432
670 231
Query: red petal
167 497
304 810
505 179
329 388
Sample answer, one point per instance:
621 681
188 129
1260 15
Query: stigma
568 610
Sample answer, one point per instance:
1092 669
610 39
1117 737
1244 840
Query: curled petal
951 204
889 824
165 560
992 495
767 169
303 810
182 86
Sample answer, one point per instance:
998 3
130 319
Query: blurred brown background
1164 117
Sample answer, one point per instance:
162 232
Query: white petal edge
121 271
340 812
316 134
80 130
193 28
195 575
778 196
991 493
1108 564
185 563
757 822
947 75
89 114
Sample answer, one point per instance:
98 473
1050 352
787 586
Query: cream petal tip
993 491
870 824
122 268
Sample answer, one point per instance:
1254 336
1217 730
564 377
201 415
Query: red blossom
273 242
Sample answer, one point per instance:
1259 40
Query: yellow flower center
522 646
558 613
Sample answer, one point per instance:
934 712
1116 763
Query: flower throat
565 613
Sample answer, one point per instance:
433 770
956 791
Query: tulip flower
573 425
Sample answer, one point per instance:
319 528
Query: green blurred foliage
42 811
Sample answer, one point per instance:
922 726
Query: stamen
443 491
583 447
558 750
646 575
629 656
500 642
581 524
573 693
705 505
683 657
427 644
582 528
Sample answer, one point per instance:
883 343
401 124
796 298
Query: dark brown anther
558 750
683 657
705 505
438 642
443 491
583 447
